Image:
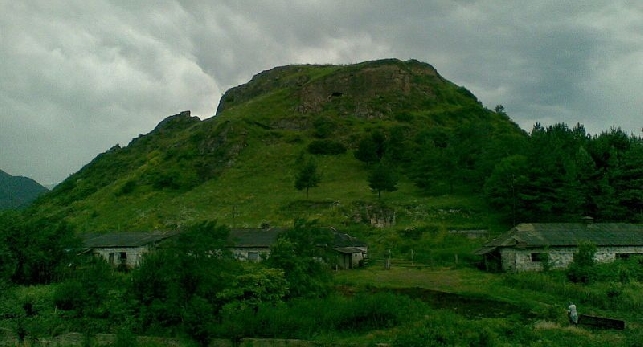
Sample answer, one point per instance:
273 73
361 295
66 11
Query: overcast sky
78 77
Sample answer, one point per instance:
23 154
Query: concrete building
124 249
528 247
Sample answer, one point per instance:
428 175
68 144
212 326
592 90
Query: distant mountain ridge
18 191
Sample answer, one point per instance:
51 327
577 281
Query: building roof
254 238
125 239
349 250
567 234
239 238
265 237
345 240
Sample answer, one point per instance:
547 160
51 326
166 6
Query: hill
238 167
18 191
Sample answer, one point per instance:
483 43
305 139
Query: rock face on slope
366 90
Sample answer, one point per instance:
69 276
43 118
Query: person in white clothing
572 313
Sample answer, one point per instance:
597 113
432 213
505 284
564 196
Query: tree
307 176
397 145
178 285
366 151
36 249
371 149
302 253
582 268
86 292
258 285
382 178
426 154
504 187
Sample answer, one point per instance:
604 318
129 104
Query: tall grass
306 318
615 290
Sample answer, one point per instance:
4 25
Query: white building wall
251 254
559 258
133 256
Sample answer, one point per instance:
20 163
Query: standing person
572 313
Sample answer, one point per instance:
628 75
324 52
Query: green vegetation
382 178
188 292
307 177
446 163
240 164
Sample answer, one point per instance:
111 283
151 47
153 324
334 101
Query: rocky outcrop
366 90
361 89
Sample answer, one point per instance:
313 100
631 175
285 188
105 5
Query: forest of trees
554 174
564 174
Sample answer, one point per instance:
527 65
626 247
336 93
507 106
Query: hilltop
238 167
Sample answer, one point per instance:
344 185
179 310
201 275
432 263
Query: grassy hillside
238 167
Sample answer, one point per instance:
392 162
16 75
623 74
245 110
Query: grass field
470 298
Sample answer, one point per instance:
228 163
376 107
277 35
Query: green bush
582 269
86 293
326 147
127 188
332 314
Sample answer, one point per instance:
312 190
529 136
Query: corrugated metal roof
125 239
567 234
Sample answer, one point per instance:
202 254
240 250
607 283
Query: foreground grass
403 306
535 304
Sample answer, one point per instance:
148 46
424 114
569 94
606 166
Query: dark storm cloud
79 77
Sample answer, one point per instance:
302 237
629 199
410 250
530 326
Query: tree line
564 173
552 174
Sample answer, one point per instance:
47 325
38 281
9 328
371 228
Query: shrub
127 188
323 127
326 147
582 269
404 117
294 320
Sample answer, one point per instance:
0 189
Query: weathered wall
133 255
351 260
244 253
559 258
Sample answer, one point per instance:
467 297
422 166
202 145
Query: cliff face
360 90
366 90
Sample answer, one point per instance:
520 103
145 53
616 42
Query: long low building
124 249
254 244
527 247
